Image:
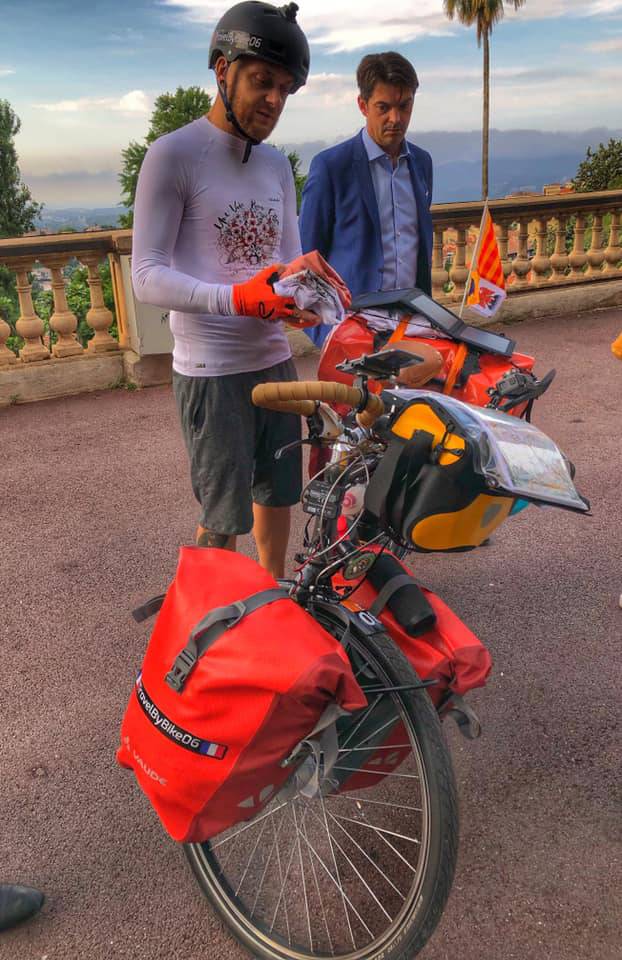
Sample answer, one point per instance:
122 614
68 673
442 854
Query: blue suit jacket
339 217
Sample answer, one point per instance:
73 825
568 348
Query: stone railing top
71 244
448 214
444 215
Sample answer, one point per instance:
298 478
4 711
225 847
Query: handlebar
302 396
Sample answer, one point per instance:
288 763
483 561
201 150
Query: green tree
170 111
299 178
601 169
18 211
485 14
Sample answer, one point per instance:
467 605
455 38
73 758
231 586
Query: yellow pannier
452 473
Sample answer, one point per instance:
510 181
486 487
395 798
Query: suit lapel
366 183
425 224
421 196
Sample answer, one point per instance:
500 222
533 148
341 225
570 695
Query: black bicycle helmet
257 29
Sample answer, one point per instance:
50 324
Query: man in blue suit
366 202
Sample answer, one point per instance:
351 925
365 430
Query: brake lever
287 449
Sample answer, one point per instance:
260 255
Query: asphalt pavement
95 499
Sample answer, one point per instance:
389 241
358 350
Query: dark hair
386 67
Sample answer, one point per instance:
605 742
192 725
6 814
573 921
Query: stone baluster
29 325
578 257
522 263
559 259
99 316
7 356
459 271
541 263
596 253
62 321
439 274
503 240
613 251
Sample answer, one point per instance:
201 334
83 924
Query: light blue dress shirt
397 209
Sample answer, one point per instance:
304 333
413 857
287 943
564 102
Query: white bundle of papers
311 292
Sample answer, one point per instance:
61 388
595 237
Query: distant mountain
519 159
79 218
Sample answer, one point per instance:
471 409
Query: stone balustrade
54 252
539 229
542 243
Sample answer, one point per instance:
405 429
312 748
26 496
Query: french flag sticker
215 750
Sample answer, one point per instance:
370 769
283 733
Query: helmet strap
232 119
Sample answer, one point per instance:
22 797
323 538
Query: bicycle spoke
340 885
270 855
247 826
302 874
250 859
378 773
278 903
367 713
381 803
319 895
365 854
372 826
396 851
278 860
359 890
359 875
388 723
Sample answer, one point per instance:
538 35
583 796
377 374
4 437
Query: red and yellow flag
487 283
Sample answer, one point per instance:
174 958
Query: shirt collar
374 152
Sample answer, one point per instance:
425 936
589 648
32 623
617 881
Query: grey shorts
231 445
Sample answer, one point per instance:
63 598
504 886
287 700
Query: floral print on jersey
248 235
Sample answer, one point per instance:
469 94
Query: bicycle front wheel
364 871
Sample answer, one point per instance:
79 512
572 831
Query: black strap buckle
181 669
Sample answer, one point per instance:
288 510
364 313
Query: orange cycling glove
256 297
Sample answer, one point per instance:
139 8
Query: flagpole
474 257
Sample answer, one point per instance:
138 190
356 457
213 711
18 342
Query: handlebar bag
428 490
235 676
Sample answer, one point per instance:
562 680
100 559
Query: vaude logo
186 739
148 771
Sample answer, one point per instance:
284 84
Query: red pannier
434 639
352 338
228 688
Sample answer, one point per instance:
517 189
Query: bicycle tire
425 904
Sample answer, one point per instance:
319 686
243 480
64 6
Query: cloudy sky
83 77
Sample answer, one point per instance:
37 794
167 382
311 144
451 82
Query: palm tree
485 14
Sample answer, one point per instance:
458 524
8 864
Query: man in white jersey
215 217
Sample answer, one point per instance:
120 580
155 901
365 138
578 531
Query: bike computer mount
384 365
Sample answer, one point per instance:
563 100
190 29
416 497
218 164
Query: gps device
415 300
382 365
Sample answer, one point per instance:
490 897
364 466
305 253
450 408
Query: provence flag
486 290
